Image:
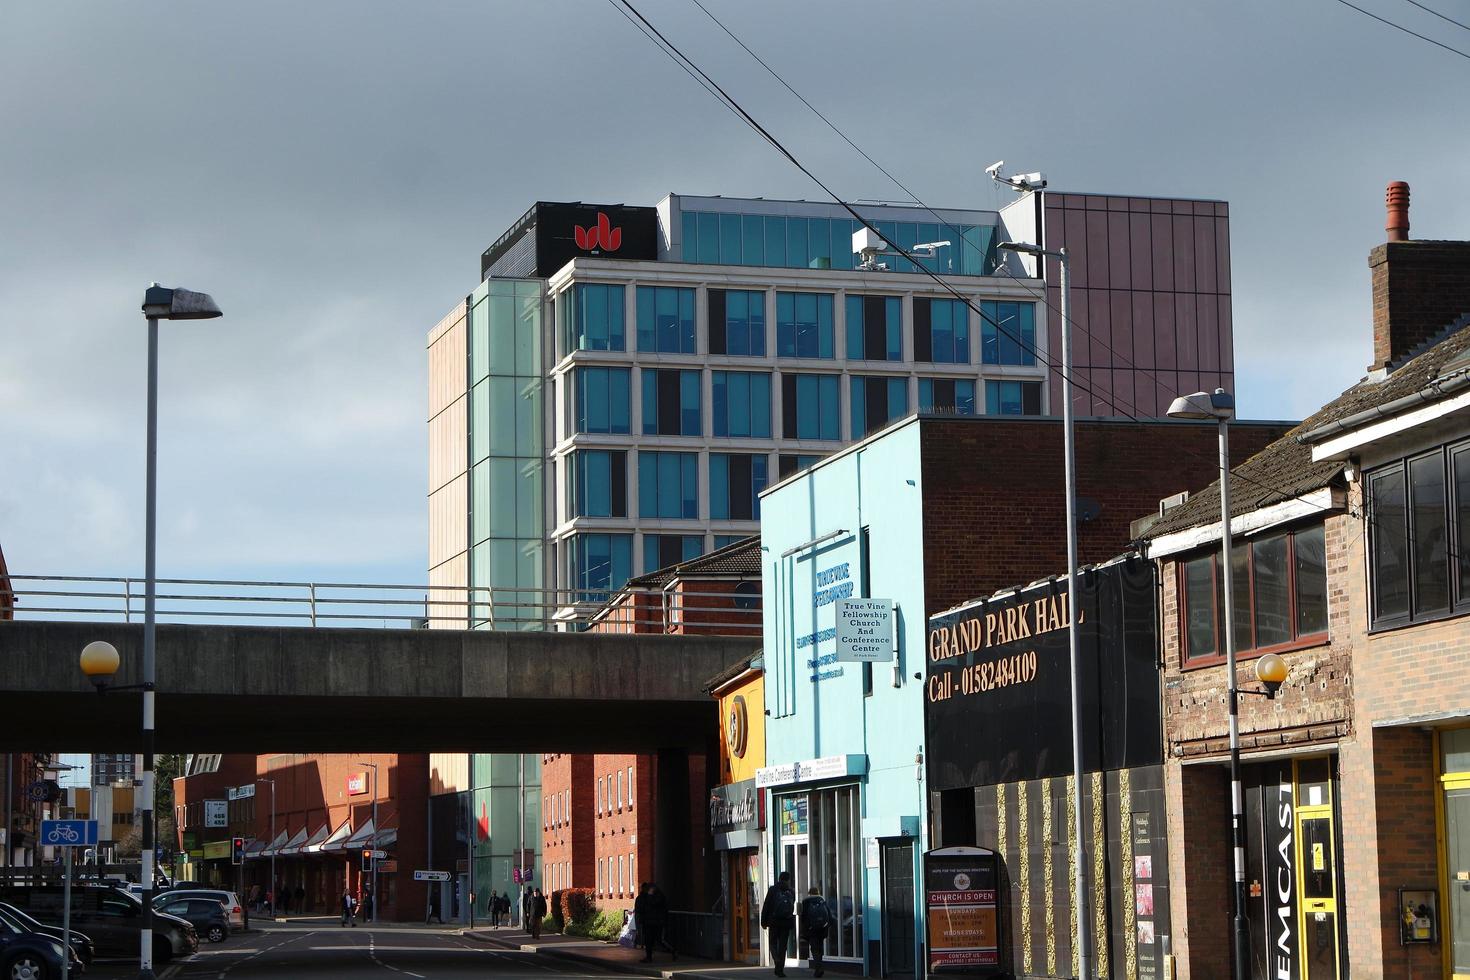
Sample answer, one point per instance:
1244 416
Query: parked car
208 917
81 943
30 955
111 916
228 899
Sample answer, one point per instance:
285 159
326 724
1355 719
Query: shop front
998 694
737 819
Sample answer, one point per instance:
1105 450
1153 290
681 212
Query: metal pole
374 843
9 807
1237 809
1079 885
66 917
521 846
150 531
272 883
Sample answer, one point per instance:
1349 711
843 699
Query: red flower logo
483 824
601 236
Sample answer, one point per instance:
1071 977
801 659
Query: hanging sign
865 630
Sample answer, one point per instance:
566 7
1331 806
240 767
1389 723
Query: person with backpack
816 919
778 917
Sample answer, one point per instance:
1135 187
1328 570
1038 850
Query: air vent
1169 503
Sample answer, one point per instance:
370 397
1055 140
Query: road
329 952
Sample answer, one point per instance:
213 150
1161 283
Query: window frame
1457 582
1298 641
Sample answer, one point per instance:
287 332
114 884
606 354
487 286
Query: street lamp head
99 662
1271 670
1218 405
166 303
1026 248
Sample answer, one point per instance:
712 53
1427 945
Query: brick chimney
1419 287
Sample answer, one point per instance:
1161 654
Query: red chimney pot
1398 211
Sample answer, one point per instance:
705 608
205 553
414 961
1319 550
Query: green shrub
549 924
607 925
581 925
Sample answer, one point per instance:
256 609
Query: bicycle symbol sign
69 833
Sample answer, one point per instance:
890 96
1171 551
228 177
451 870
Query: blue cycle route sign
69 833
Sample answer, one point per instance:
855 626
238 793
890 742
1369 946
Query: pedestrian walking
300 899
651 909
538 913
778 917
366 905
816 919
349 908
493 907
503 907
254 899
433 912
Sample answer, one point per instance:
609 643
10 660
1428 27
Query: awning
293 845
359 840
254 846
386 838
317 845
319 835
275 845
338 840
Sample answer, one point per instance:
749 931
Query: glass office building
624 381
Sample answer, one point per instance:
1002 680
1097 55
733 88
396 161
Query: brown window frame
1246 651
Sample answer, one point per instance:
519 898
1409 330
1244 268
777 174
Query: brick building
1349 563
611 821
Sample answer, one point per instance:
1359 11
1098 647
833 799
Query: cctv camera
994 169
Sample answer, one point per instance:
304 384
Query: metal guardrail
710 609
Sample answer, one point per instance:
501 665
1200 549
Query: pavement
595 954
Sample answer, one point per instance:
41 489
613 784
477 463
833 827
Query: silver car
233 909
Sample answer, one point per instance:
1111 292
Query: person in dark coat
349 907
538 913
816 920
651 909
778 916
366 907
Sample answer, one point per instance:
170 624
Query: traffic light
367 862
237 850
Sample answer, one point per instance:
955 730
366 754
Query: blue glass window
1007 333
735 482
592 317
600 483
670 403
804 325
730 239
798 242
810 406
725 540
737 322
876 402
787 464
601 564
874 328
602 399
1013 398
689 221
947 395
941 331
668 484
741 404
665 320
709 238
663 550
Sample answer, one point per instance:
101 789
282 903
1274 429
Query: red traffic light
237 850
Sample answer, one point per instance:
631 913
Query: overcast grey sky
331 171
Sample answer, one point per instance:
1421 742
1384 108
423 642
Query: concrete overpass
295 689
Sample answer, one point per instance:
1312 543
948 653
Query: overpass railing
731 607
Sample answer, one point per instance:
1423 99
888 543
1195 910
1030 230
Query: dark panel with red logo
565 231
998 688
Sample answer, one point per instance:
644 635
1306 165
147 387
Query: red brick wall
623 828
1200 869
709 606
995 493
568 841
1419 287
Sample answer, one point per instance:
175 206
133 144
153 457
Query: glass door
1454 749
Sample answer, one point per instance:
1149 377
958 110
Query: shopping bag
629 936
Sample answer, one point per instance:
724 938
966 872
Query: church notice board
960 901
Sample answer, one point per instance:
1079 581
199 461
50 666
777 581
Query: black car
30 956
207 916
112 917
81 943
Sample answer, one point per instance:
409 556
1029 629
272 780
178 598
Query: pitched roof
1285 470
741 557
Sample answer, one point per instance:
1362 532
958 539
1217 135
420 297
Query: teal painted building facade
845 740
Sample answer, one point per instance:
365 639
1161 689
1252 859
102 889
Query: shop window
874 328
1280 586
665 319
941 331
670 403
737 322
1418 532
804 325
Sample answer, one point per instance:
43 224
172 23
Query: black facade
549 235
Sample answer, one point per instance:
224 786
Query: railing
710 607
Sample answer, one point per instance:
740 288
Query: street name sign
431 876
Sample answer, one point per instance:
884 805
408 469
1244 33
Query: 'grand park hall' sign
998 684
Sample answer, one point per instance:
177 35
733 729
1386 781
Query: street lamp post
274 897
373 844
1220 406
1069 439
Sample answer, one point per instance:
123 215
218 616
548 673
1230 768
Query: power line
1400 27
1431 10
